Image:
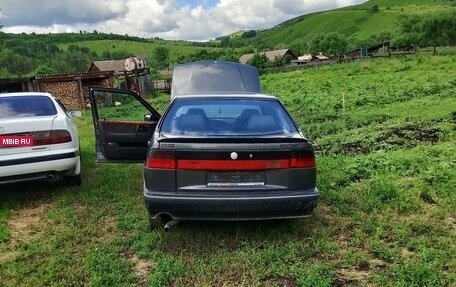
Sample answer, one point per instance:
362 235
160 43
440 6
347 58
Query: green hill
359 22
144 49
23 55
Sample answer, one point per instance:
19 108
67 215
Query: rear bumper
229 206
40 166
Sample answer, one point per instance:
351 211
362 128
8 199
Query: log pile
73 95
72 89
66 92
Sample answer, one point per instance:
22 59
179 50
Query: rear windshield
26 106
227 117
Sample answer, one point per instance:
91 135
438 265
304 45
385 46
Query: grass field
352 21
385 132
176 49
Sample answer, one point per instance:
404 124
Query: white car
38 139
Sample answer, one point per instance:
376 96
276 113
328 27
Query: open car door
123 122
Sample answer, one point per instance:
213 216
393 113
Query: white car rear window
26 106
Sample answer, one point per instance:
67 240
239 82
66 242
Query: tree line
25 55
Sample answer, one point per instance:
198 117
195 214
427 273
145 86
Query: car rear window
227 117
26 106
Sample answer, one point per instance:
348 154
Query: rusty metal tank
135 63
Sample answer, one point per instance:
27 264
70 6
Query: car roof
23 94
214 77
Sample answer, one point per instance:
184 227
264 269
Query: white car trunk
23 126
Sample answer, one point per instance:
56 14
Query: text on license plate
230 179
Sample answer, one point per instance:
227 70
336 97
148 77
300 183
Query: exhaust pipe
170 224
53 177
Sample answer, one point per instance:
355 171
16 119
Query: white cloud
149 18
48 12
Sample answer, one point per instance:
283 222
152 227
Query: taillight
262 164
51 137
161 159
167 160
302 159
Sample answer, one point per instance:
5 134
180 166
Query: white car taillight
51 137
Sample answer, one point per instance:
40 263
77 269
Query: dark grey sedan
226 152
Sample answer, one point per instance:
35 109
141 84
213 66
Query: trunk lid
260 163
24 127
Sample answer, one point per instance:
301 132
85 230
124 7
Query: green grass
404 2
352 21
387 173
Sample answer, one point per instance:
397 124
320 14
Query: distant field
176 48
353 23
384 130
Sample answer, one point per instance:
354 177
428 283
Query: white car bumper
36 165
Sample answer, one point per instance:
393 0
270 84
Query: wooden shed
72 89
131 74
379 50
11 85
118 66
271 55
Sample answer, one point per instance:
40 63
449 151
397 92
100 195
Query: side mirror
147 118
75 114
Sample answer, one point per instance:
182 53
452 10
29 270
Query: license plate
235 179
9 141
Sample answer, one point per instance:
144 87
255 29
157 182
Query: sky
197 20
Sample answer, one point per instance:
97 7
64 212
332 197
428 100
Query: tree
161 57
225 41
259 60
428 29
42 69
4 73
374 9
333 43
249 34
106 55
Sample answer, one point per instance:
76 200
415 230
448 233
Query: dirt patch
24 224
279 281
377 264
406 253
107 229
142 268
451 223
80 209
8 256
355 148
353 277
409 136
